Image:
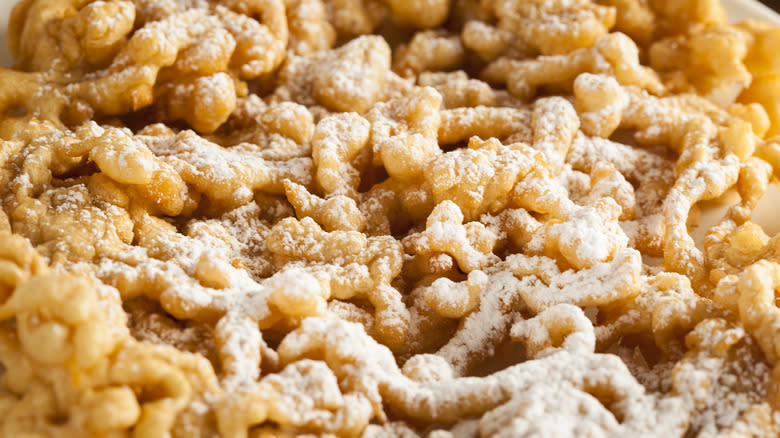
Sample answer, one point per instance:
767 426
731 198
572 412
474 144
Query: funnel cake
267 218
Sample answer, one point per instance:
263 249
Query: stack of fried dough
381 218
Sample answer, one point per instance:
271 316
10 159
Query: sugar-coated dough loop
352 79
665 305
600 102
403 132
613 54
429 51
469 244
620 279
336 141
478 179
454 300
562 326
484 121
354 266
756 303
458 90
